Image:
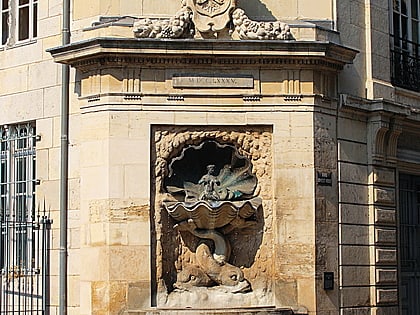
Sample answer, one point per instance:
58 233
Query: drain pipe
65 82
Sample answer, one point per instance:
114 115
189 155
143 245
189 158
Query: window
17 195
405 44
18 21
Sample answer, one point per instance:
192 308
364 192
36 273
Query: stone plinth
238 311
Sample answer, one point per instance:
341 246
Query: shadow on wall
256 10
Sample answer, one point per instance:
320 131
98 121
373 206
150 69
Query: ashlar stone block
383 176
386 276
386 296
385 216
355 275
124 263
139 296
386 256
391 310
355 296
13 80
386 236
354 214
353 173
352 130
384 196
356 311
355 255
352 152
354 235
353 194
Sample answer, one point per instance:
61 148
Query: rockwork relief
213 212
211 19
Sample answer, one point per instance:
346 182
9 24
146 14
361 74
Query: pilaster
383 137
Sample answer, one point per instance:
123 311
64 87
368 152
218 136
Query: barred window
18 21
17 194
409 241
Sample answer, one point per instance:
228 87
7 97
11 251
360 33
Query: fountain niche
211 224
216 187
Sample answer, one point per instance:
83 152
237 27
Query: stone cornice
86 55
385 107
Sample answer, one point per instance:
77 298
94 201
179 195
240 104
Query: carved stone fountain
212 200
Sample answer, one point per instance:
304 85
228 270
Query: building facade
222 157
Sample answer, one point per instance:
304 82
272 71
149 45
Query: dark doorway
409 239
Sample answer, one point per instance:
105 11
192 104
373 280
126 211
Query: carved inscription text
212 81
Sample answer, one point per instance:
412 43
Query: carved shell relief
211 19
213 192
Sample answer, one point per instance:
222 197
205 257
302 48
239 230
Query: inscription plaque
212 81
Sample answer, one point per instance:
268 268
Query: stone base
235 311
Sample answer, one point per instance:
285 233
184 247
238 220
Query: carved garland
209 19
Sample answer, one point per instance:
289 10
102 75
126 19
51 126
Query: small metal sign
328 280
324 178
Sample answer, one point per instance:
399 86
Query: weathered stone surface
386 256
354 235
356 311
354 214
385 196
385 216
386 236
386 276
355 255
285 292
355 275
108 297
352 152
386 296
392 310
355 296
139 295
384 176
354 194
353 173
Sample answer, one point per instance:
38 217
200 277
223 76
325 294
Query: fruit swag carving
211 19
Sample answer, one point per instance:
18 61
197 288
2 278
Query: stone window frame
17 192
18 21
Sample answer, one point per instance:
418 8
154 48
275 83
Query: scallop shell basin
212 214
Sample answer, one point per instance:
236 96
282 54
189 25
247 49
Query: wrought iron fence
405 64
24 277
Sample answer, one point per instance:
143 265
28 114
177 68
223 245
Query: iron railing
405 64
24 276
24 230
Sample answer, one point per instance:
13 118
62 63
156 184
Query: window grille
405 40
409 250
24 237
